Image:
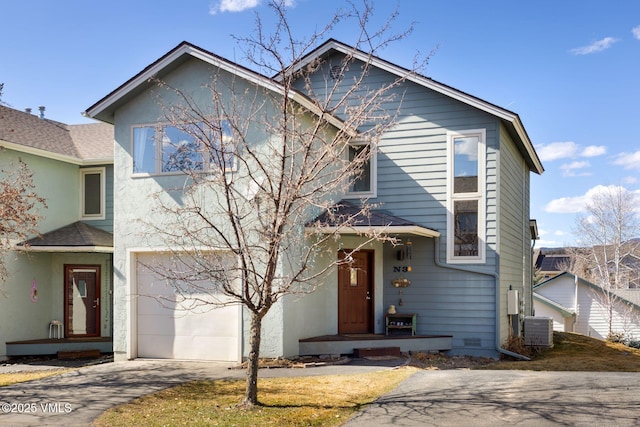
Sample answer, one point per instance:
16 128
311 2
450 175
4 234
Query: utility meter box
513 302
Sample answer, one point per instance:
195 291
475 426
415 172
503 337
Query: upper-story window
162 148
92 193
466 153
364 183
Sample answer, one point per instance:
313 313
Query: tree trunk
251 391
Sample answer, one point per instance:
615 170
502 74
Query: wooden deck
47 346
346 343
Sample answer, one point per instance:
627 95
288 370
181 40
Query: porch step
377 351
79 354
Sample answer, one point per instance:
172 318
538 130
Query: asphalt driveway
78 397
437 398
508 398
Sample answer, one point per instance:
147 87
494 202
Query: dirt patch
53 361
298 362
432 361
439 361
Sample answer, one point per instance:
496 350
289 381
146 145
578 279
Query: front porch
45 346
346 343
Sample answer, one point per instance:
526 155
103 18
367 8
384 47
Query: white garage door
172 327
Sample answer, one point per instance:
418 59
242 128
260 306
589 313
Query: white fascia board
54 156
378 230
41 153
96 162
58 249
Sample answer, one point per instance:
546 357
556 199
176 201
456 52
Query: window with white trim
166 149
92 193
466 169
363 184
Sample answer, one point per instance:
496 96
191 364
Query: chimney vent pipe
41 108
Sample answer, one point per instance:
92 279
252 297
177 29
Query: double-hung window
466 154
363 183
92 193
165 149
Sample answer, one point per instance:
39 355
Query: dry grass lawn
20 377
301 401
574 352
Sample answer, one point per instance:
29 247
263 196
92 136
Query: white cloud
233 6
566 205
568 150
241 5
571 169
593 151
629 180
636 32
557 150
597 46
578 203
628 160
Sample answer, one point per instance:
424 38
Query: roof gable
510 119
104 109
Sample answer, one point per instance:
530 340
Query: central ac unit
538 331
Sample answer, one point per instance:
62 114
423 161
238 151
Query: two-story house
58 294
450 179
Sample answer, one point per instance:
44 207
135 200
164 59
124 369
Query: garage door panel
170 326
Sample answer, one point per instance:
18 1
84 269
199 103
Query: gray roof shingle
77 234
91 141
347 212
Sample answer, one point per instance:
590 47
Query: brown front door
82 300
355 293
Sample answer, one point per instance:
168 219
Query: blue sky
570 69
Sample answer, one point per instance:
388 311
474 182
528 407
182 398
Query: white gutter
83 249
53 156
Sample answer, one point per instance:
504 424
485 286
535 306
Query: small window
92 193
364 182
164 149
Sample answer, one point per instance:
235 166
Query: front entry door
82 300
355 293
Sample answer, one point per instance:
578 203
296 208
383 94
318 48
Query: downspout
496 278
531 284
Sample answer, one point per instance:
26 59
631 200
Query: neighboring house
550 265
465 215
65 274
577 305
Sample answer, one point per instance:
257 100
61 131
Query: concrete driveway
438 398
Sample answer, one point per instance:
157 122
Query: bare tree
272 161
19 210
607 235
